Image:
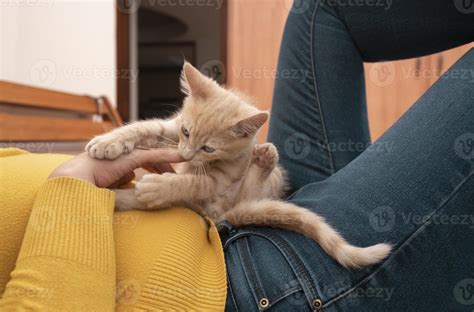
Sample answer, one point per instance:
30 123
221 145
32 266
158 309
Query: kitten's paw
125 199
154 190
108 146
265 156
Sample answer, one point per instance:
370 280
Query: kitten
228 176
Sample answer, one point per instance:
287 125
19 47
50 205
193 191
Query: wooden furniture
254 34
36 114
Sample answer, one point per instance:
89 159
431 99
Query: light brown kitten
228 176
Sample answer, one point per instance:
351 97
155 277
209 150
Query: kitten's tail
287 216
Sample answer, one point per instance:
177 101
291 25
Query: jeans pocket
262 275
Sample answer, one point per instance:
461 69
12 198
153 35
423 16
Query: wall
59 44
255 29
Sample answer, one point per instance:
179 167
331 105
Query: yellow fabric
58 239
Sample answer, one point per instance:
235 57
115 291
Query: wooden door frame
224 35
122 37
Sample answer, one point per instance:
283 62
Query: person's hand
112 173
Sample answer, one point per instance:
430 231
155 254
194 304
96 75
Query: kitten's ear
194 83
249 126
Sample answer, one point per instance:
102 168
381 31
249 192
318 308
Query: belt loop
225 230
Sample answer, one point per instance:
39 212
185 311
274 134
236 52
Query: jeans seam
249 270
242 263
316 90
230 293
404 243
284 296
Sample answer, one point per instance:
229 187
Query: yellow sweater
62 248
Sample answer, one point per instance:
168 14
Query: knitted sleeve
66 261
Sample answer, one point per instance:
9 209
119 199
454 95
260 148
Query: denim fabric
413 188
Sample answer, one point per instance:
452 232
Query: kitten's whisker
200 174
165 144
166 138
205 170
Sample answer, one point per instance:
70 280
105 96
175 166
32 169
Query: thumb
160 168
124 180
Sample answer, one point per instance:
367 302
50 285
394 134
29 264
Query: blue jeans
413 187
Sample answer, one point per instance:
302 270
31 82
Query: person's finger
160 168
126 178
151 169
152 157
161 155
123 180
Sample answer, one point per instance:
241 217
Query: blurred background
73 69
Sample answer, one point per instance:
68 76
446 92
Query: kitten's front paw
265 156
154 190
125 199
108 146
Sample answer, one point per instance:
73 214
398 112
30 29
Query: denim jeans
413 188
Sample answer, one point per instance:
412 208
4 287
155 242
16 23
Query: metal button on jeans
317 304
264 302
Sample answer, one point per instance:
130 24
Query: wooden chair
36 114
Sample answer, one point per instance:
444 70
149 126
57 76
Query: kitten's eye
185 132
208 149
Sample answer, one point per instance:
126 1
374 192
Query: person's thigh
396 29
319 118
413 188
